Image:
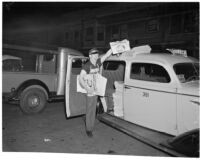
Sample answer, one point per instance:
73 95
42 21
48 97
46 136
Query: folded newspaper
96 81
120 46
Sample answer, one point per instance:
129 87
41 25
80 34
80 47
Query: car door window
77 65
113 71
149 72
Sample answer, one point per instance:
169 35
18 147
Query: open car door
75 101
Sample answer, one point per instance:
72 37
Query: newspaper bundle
96 81
120 46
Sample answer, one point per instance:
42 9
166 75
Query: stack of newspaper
118 99
96 81
120 46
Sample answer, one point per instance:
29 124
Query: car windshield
187 72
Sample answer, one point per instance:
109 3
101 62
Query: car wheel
33 100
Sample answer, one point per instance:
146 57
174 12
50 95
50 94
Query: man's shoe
89 134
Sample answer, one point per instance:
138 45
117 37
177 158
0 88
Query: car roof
41 50
5 57
163 58
73 52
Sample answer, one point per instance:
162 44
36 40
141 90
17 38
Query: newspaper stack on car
120 46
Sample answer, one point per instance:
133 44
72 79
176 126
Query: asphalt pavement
52 132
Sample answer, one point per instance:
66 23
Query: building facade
161 25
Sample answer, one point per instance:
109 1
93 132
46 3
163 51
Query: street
51 131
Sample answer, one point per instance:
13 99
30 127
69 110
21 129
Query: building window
124 31
67 36
176 24
190 22
100 33
152 26
115 34
76 36
89 35
119 32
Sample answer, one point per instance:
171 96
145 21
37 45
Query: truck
153 97
34 76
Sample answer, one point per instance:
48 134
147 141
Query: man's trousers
91 112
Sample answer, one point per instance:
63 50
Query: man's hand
89 90
109 52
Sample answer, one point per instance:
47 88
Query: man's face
94 57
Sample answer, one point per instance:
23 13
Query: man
91 67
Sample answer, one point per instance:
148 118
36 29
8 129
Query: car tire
187 143
33 100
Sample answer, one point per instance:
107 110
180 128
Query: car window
149 72
113 65
48 57
12 65
187 71
77 64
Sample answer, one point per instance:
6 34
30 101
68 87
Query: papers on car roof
120 46
178 52
141 49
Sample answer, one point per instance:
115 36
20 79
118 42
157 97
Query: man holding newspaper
88 82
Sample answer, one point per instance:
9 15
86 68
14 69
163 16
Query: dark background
75 24
43 12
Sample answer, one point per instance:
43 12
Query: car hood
190 88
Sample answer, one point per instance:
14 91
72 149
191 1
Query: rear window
149 72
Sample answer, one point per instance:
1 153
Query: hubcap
33 101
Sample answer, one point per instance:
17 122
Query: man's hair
93 51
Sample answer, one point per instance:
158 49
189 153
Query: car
33 76
158 91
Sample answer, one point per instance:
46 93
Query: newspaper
97 83
120 46
178 52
